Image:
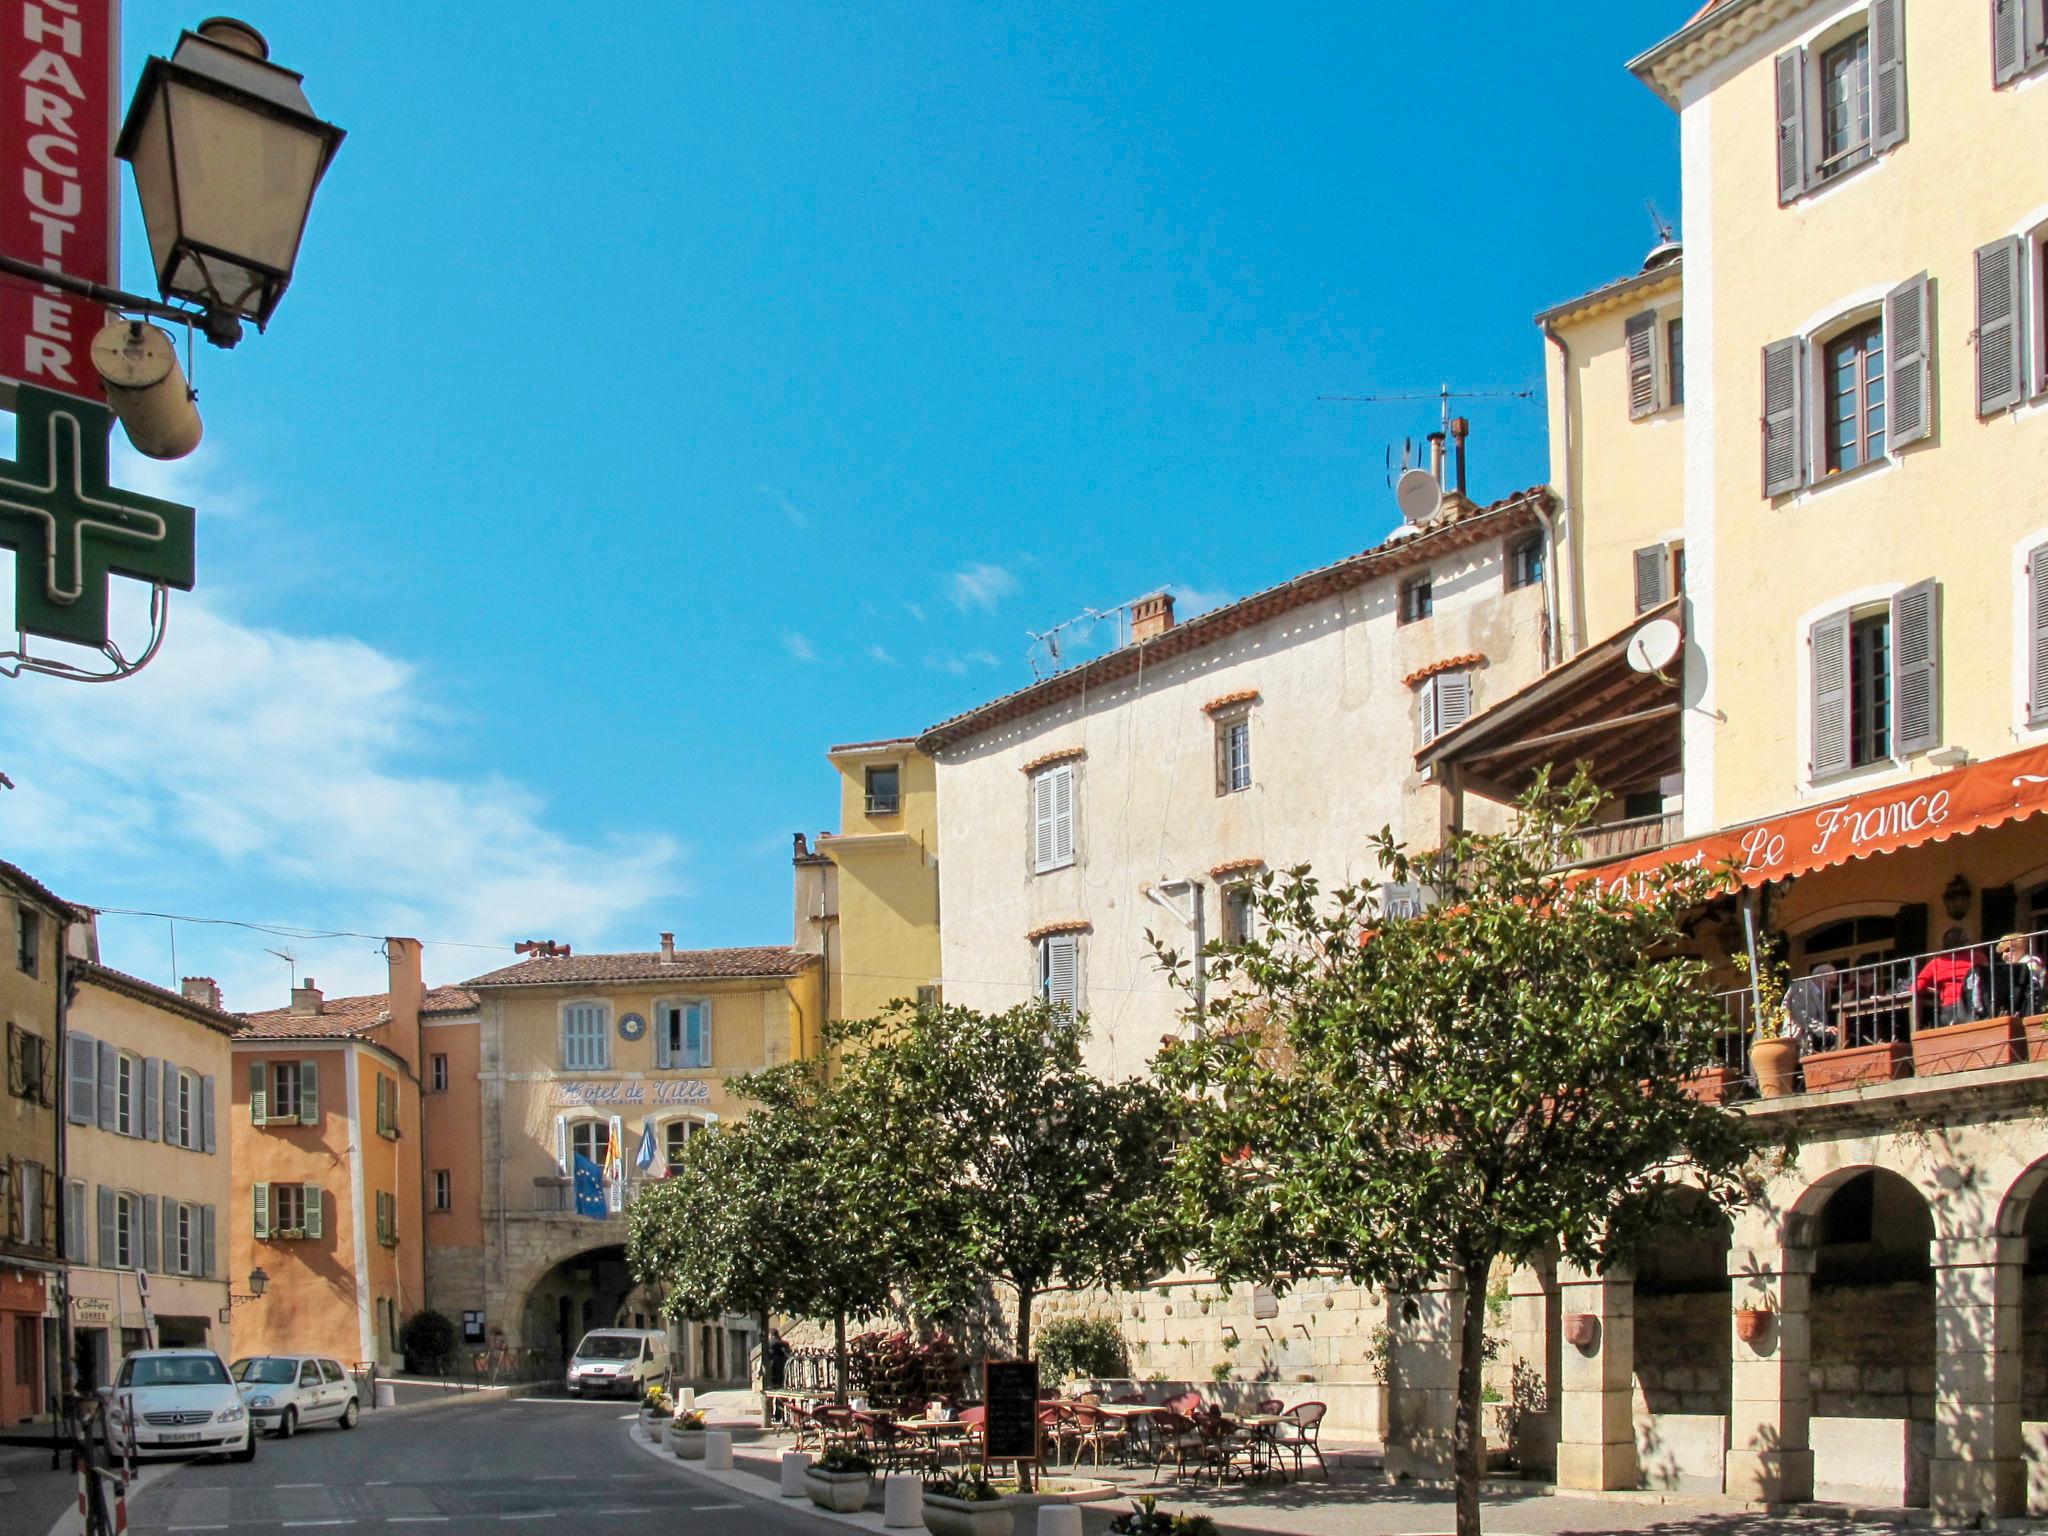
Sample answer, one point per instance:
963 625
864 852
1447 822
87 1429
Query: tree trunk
839 1354
767 1408
1469 1437
1025 1469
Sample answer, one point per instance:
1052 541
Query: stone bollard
1059 1520
794 1465
686 1399
903 1502
387 1395
718 1450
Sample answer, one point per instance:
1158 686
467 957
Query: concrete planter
957 1517
843 1493
652 1424
686 1443
1965 1047
1855 1064
1776 1064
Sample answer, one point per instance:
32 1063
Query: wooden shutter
699 1026
1041 821
666 1020
1916 669
2001 325
259 1093
260 1209
1784 430
2037 636
1791 102
1829 643
2008 40
158 1260
1909 363
1454 700
82 1095
1640 335
384 1126
1653 576
314 1198
1063 814
1887 74
110 1084
1427 704
206 1132
152 1085
309 1093
207 1237
106 1252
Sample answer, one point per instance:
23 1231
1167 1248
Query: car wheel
247 1452
350 1414
288 1425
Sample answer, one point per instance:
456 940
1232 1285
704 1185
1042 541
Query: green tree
1021 1166
1396 1101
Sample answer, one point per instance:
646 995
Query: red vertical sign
59 78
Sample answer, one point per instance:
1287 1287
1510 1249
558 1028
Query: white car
287 1392
179 1402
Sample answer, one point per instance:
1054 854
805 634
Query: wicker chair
1301 1435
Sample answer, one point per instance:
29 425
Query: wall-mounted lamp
1955 898
259 1282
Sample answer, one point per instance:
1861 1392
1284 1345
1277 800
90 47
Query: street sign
70 530
58 187
1010 1431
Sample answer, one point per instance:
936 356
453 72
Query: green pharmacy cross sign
70 530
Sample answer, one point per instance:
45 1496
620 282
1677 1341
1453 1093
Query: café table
941 1434
1265 1445
1135 1419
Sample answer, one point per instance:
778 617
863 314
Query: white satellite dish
1418 495
1655 646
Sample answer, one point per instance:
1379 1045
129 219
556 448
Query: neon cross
70 530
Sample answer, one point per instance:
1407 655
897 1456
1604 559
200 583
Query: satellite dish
1418 495
1655 646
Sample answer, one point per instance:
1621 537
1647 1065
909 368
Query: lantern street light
226 153
259 1282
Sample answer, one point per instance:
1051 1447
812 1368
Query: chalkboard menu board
1011 1433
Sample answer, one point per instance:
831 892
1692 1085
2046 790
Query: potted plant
1581 1329
686 1436
655 1409
1750 1323
1146 1518
839 1480
966 1503
1774 1056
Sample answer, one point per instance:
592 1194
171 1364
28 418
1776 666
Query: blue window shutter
664 1028
207 1238
206 1141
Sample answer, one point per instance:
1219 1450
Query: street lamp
226 153
259 1282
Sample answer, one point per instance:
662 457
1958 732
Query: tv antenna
291 960
1665 233
1443 395
1049 647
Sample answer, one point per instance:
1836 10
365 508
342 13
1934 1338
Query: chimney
1460 430
1151 616
307 999
203 990
1436 458
407 994
668 949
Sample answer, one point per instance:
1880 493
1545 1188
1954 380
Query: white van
619 1362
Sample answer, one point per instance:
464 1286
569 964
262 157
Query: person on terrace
2026 977
1945 977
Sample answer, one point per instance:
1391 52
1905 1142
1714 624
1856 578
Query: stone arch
562 1294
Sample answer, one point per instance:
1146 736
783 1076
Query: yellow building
146 1181
589 1060
868 895
31 1000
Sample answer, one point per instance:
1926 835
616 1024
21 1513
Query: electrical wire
286 932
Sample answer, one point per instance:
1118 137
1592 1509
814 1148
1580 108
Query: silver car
285 1393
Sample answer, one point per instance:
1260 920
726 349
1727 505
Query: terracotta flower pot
1581 1329
1776 1064
1750 1323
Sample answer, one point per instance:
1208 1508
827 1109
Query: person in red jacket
1944 978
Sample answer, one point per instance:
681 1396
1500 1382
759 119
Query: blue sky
670 390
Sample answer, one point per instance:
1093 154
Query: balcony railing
1921 1015
1638 834
554 1195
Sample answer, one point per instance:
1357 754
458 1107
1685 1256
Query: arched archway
585 1290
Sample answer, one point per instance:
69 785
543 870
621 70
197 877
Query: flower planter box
686 1443
957 1517
843 1493
1713 1085
1855 1064
2034 1032
1966 1047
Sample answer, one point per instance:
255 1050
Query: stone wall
1873 1351
2034 1349
1682 1360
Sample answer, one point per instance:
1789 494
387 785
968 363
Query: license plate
180 1438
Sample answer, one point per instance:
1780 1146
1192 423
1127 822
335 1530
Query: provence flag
644 1159
590 1199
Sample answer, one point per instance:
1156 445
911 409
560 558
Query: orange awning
1923 810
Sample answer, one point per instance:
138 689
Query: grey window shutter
106 1251
1063 970
110 1067
1916 669
152 1085
2008 40
1791 100
77 1241
1041 821
1909 362
206 1141
1784 418
83 1097
1887 74
1830 646
2001 325
207 1237
1063 814
155 1260
1454 700
259 1201
259 1094
174 1119
1653 576
309 1093
316 1210
1427 705
1640 335
2037 636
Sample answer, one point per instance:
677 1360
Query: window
127 1093
438 1074
1240 912
28 1065
1674 361
1653 576
2019 38
1849 943
189 1128
444 1190
28 1352
28 939
882 784
289 1210
1525 562
684 1036
1876 682
1059 970
387 1219
1052 818
284 1091
675 1136
184 1249
1418 599
126 1228
1839 105
1233 754
591 1139
1446 703
585 1037
1655 358
1854 379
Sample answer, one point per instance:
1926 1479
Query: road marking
698 1508
562 1477
196 1527
380 1483
298 1485
617 1477
415 1519
539 1514
620 1509
293 1525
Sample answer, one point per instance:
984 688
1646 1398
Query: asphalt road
503 1467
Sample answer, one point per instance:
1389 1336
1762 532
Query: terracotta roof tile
28 884
1242 696
1065 925
448 1000
1064 755
1448 664
1235 867
346 1016
159 997
689 965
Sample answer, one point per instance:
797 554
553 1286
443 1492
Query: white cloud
280 778
1189 600
959 664
980 585
798 518
880 654
915 610
799 648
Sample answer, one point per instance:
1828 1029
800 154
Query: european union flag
590 1200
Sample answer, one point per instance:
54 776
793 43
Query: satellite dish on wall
1654 647
1418 495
